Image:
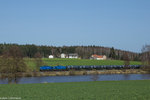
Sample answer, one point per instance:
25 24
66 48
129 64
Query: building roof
97 56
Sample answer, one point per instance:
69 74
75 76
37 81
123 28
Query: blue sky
123 24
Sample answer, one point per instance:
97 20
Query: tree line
85 52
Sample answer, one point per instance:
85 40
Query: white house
63 55
98 57
50 56
73 55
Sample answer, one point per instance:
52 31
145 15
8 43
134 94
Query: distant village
76 56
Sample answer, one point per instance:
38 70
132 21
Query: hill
66 62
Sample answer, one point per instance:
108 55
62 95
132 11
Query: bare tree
126 60
38 60
12 64
146 57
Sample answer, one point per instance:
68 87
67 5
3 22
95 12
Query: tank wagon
100 67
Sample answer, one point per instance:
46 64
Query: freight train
100 67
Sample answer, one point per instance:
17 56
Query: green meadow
64 62
99 90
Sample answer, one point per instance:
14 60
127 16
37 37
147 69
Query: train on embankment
100 67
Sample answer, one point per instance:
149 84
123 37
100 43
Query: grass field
65 62
102 90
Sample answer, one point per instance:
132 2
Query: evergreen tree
112 54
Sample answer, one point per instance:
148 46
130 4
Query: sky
122 24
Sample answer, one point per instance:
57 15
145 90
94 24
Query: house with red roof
99 57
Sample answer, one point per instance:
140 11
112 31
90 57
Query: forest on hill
85 52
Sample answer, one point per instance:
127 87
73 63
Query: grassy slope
102 90
64 62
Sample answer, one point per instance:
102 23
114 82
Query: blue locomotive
46 68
